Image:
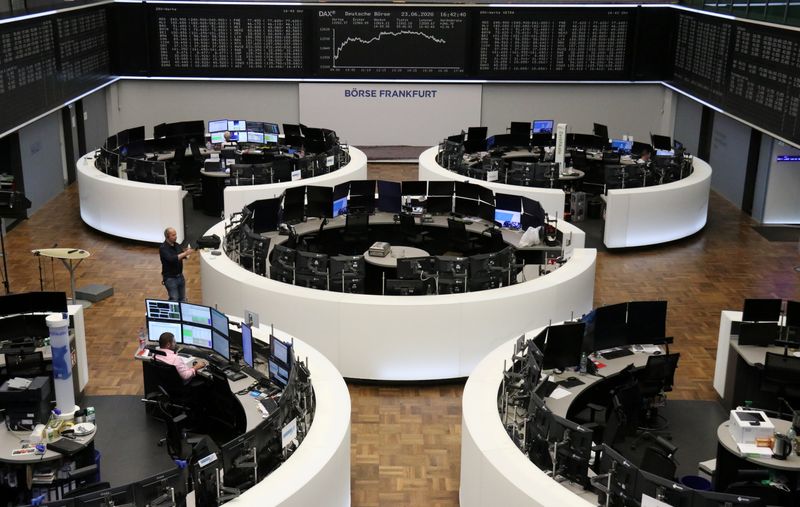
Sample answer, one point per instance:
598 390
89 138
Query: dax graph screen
392 42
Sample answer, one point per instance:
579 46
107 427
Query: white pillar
62 362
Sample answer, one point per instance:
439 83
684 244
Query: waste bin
696 482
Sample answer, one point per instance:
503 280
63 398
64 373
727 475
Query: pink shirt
185 371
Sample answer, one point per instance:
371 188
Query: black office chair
242 174
281 170
655 380
781 375
578 159
458 237
544 175
410 230
356 233
25 364
627 402
659 459
159 376
611 158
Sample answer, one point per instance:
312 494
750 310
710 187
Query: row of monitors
33 302
435 197
770 310
183 129
247 136
156 490
215 126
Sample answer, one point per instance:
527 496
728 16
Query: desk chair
781 375
611 158
627 402
242 174
262 173
458 237
281 170
543 175
25 364
411 231
356 232
659 459
159 376
655 380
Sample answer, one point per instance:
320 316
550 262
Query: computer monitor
587 141
159 309
339 207
347 264
621 146
218 137
441 188
485 211
294 200
237 126
319 202
265 214
664 490
564 346
217 126
716 499
538 428
661 142
622 479
311 263
279 350
196 314
390 197
761 310
239 136
219 321
255 137
396 287
121 496
507 202
792 314
161 488
762 334
466 207
542 126
270 138
247 345
155 328
600 131
414 188
278 374
467 190
414 268
197 336
574 449
271 128
238 460
283 256
483 265
221 344
647 321
610 326
508 219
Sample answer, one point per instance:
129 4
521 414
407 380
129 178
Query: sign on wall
387 114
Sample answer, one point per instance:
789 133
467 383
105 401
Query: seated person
644 157
166 344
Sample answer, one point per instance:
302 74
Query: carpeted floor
788 233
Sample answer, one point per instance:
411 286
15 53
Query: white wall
730 145
782 205
41 150
688 114
149 102
636 109
96 119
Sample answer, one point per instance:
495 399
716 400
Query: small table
396 252
68 257
730 460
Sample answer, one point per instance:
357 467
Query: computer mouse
572 378
657 353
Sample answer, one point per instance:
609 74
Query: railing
785 12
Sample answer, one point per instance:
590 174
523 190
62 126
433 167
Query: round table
396 252
68 256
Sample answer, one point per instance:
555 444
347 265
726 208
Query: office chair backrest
627 402
456 228
659 372
356 222
281 169
407 223
24 363
782 369
657 462
610 158
578 159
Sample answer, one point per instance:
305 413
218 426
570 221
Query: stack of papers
19 383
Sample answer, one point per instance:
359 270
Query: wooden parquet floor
406 440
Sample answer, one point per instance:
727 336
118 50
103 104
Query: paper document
19 383
649 501
559 392
650 349
753 450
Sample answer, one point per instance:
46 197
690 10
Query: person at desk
172 255
644 157
166 344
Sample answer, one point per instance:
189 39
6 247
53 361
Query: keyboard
614 354
234 375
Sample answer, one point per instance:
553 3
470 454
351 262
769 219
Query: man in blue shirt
172 255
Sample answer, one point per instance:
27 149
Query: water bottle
142 339
792 436
584 362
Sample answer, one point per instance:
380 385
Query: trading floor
406 439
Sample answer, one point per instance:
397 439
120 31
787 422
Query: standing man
172 255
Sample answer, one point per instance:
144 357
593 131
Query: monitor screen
168 310
319 201
149 490
294 200
271 128
467 190
415 188
761 310
665 153
601 131
279 350
255 137
197 336
218 137
647 321
219 321
278 374
610 326
237 125
542 126
621 145
661 142
508 202
270 138
389 198
508 218
564 346
445 188
247 345
339 207
221 345
196 314
217 126
156 328
239 137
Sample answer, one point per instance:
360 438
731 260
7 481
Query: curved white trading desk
658 214
128 209
551 199
318 473
236 198
493 469
402 337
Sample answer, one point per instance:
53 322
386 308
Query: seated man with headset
166 344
